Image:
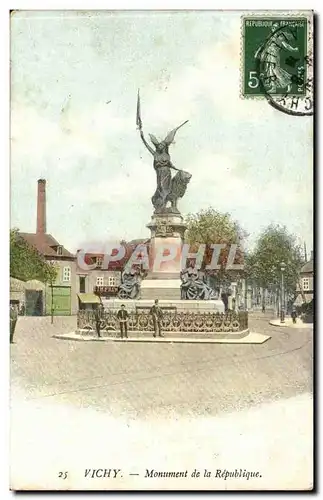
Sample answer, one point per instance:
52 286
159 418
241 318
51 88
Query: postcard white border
4 182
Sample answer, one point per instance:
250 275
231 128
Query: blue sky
245 157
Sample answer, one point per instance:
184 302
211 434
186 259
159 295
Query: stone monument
166 279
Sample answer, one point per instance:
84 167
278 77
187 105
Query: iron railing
142 321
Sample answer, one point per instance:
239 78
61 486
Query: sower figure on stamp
157 315
13 321
123 317
269 54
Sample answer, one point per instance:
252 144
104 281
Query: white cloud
128 186
246 197
78 132
31 134
216 77
95 144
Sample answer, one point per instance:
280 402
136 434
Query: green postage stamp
275 56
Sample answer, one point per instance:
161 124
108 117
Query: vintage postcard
161 250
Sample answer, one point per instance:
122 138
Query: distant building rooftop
308 267
47 245
90 258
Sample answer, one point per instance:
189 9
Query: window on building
306 283
99 281
99 261
59 250
66 273
82 284
112 281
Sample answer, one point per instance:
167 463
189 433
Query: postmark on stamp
278 62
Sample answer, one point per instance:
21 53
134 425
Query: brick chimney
41 207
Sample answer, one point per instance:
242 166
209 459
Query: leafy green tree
212 227
274 246
27 263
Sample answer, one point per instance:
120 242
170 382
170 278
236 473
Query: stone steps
245 337
160 293
202 306
162 276
165 334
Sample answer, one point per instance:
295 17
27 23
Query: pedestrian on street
98 313
225 300
123 317
294 315
263 308
157 315
13 321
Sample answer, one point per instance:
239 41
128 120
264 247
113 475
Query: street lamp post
282 303
246 294
52 263
275 290
52 303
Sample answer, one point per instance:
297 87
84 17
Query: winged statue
169 189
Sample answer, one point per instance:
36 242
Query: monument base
202 306
163 280
162 289
195 322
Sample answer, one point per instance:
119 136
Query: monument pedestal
163 280
161 289
178 306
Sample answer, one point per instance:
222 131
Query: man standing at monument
157 315
123 317
98 314
13 321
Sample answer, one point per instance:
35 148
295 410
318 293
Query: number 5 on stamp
274 52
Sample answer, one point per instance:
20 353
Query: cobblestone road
159 379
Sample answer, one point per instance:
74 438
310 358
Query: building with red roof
58 298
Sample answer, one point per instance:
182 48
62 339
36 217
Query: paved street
146 380
169 407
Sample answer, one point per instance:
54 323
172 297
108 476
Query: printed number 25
253 80
62 475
